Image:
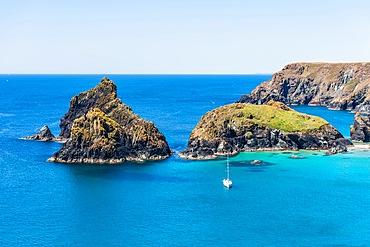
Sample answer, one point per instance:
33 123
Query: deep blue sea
318 200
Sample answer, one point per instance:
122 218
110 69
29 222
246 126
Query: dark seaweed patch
250 163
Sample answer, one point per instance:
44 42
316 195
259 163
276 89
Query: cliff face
360 130
101 129
340 86
244 127
103 96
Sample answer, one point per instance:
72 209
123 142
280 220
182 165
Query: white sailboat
227 181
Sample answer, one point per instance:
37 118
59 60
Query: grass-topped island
242 127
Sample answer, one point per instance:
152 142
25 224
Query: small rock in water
255 162
337 149
294 156
44 134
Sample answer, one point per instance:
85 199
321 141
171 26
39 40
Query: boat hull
227 183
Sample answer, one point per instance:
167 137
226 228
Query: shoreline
360 146
267 150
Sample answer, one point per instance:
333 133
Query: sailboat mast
228 168
227 182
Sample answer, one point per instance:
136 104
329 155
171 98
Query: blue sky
151 37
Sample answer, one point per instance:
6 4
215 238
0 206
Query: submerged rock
339 86
360 130
255 162
245 127
337 149
44 134
101 129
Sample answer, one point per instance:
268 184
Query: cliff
339 86
99 128
245 127
360 130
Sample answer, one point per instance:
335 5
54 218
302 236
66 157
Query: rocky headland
245 127
360 130
339 86
99 128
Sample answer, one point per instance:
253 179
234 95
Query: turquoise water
316 200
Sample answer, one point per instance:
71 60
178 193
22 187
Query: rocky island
245 127
44 134
339 86
99 128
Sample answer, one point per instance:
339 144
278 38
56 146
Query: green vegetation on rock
239 115
97 128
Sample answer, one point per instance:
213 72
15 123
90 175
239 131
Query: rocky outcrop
245 127
44 134
360 130
339 86
99 128
103 96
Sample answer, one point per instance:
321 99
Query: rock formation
44 134
99 128
245 127
340 86
103 96
360 130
